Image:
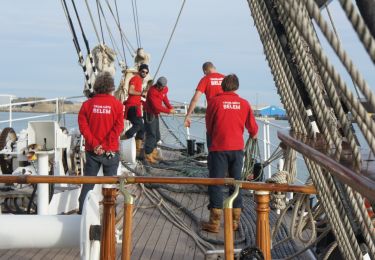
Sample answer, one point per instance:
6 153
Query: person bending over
156 96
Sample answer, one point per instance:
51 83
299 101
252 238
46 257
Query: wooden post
127 231
228 234
263 238
108 239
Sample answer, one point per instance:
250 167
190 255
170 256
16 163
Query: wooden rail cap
318 152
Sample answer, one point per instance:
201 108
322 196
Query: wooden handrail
358 182
306 189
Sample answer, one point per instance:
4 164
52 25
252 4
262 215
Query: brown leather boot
213 225
150 158
156 155
138 147
236 218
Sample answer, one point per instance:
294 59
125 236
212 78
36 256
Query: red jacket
100 121
155 99
210 85
226 117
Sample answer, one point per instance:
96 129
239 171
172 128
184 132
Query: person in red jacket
227 116
156 96
210 85
101 121
133 108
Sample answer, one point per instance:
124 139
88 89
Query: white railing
9 106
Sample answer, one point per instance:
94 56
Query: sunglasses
144 71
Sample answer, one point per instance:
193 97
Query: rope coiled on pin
278 200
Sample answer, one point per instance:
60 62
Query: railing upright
267 144
10 112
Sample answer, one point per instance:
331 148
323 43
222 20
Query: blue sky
39 59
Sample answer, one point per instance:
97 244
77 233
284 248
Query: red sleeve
156 103
137 83
202 85
166 100
118 125
84 127
251 124
210 118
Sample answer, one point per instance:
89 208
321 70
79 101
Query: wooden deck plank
5 254
142 227
173 235
63 253
154 237
50 255
190 243
144 240
179 249
164 235
198 254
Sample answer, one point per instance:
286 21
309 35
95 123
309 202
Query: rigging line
127 42
76 43
338 39
170 38
135 24
119 26
100 21
139 31
109 33
85 40
92 21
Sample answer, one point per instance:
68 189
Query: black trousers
220 163
152 132
137 128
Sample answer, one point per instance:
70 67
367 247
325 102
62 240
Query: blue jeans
92 166
220 163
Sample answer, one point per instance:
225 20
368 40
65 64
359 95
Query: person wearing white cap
156 97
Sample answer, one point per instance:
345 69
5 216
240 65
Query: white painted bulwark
33 231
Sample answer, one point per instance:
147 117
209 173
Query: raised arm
193 103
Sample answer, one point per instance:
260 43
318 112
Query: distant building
179 107
270 111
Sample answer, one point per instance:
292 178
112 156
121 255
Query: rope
76 44
135 19
360 27
100 21
92 21
170 38
337 35
85 39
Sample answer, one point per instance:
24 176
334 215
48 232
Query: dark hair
230 83
207 65
104 83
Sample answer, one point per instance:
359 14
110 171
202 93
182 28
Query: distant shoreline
45 108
